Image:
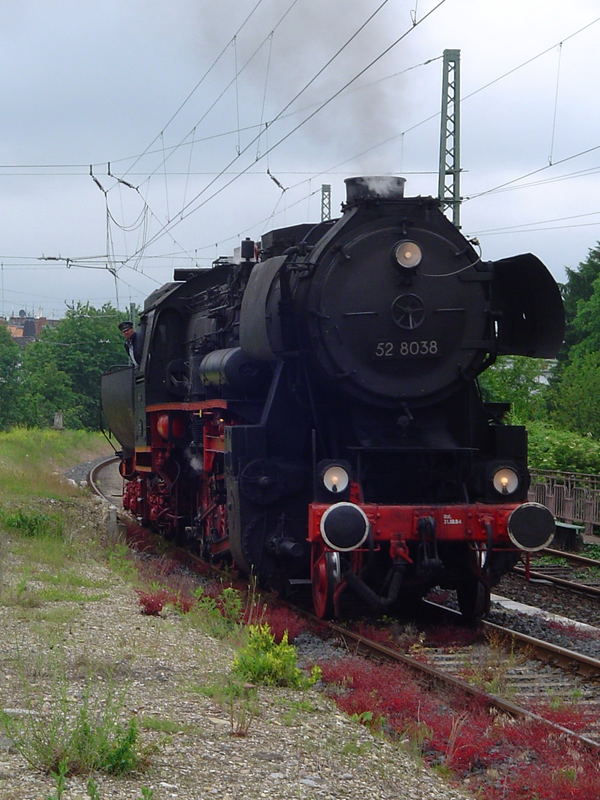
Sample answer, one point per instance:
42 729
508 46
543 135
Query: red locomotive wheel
325 580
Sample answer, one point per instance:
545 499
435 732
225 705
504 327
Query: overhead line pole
449 166
325 202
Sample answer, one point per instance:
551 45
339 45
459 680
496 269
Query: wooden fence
571 496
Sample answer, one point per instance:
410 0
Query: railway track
569 572
530 675
105 481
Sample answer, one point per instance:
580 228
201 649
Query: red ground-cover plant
574 717
281 619
451 636
153 602
572 631
500 758
140 539
379 634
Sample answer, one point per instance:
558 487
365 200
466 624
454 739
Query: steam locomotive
311 414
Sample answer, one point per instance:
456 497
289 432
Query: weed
592 551
48 551
375 722
119 561
60 776
43 618
296 710
231 605
282 620
68 578
355 748
91 788
218 615
160 725
32 524
240 700
264 661
76 737
56 594
153 602
452 747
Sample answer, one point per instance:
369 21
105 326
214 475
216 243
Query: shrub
76 738
266 662
556 449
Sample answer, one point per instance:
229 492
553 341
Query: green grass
56 594
69 578
44 551
161 725
32 460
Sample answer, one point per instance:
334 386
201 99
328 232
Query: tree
575 397
61 371
517 380
578 289
9 361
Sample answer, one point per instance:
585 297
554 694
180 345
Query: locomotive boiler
311 414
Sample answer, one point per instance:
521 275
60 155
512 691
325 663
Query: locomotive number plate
404 349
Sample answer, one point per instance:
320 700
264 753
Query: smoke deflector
531 319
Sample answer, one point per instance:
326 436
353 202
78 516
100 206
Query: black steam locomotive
311 414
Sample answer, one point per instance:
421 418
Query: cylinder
234 369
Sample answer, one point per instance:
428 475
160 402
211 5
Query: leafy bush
34 524
264 661
555 449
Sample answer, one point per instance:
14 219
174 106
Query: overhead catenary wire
197 85
181 215
227 87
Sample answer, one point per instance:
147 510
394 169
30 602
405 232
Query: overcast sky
150 88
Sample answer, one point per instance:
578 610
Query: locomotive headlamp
505 480
408 254
335 479
332 480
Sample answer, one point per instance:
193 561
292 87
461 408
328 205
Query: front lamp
505 480
332 480
408 254
335 479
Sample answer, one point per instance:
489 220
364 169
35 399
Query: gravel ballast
289 752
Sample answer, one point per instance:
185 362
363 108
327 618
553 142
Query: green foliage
61 370
34 524
555 449
9 359
516 380
217 616
265 662
577 291
76 738
575 395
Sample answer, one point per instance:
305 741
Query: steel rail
457 683
578 559
95 471
572 586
